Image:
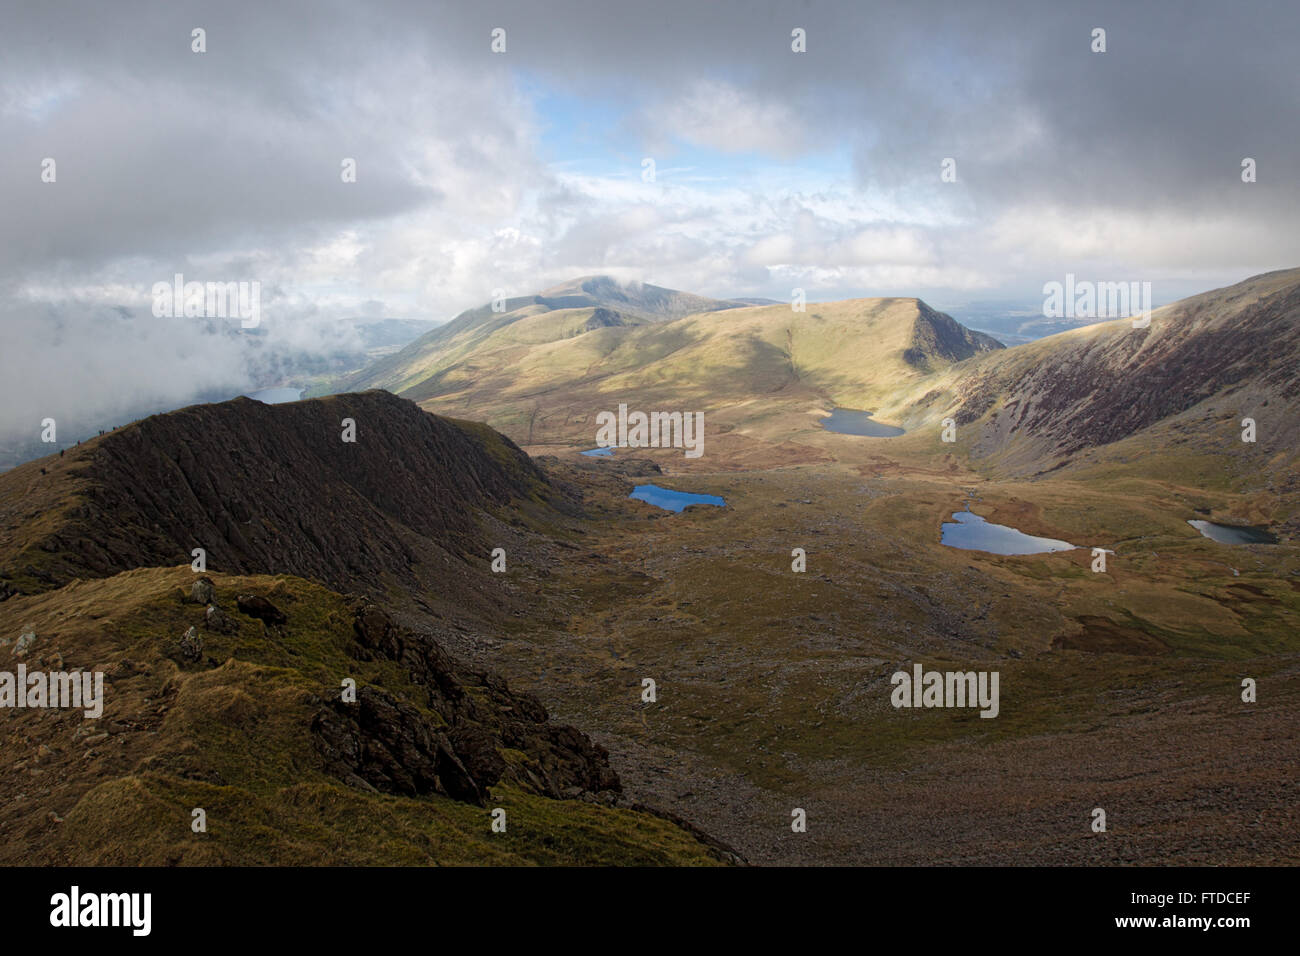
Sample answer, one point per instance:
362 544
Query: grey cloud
226 165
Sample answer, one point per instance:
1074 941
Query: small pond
1233 533
847 421
970 532
671 500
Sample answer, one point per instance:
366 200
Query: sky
480 170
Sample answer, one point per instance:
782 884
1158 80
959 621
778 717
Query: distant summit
639 298
560 312
542 368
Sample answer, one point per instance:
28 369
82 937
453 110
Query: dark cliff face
275 489
385 743
939 339
603 318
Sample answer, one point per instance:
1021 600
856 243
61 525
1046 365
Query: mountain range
500 601
543 369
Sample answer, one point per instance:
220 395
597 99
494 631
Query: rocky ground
1119 690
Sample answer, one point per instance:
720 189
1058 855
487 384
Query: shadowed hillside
266 489
229 691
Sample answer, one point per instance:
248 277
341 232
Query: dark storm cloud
158 139
1012 90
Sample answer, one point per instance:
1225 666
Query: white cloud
723 117
774 169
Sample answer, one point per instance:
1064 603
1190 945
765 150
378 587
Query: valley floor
1119 690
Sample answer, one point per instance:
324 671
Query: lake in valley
847 421
671 500
1233 533
970 532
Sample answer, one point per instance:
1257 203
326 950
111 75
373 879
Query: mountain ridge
599 297
228 686
1232 352
543 385
269 489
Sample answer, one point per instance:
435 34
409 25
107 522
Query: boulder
217 620
203 591
459 750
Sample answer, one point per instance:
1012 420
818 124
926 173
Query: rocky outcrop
254 605
939 340
472 732
189 649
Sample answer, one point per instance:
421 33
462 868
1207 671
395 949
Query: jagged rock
478 753
378 638
24 644
203 591
190 647
254 605
392 747
384 742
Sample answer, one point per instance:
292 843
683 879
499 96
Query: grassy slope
234 740
37 499
745 368
555 313
1201 443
